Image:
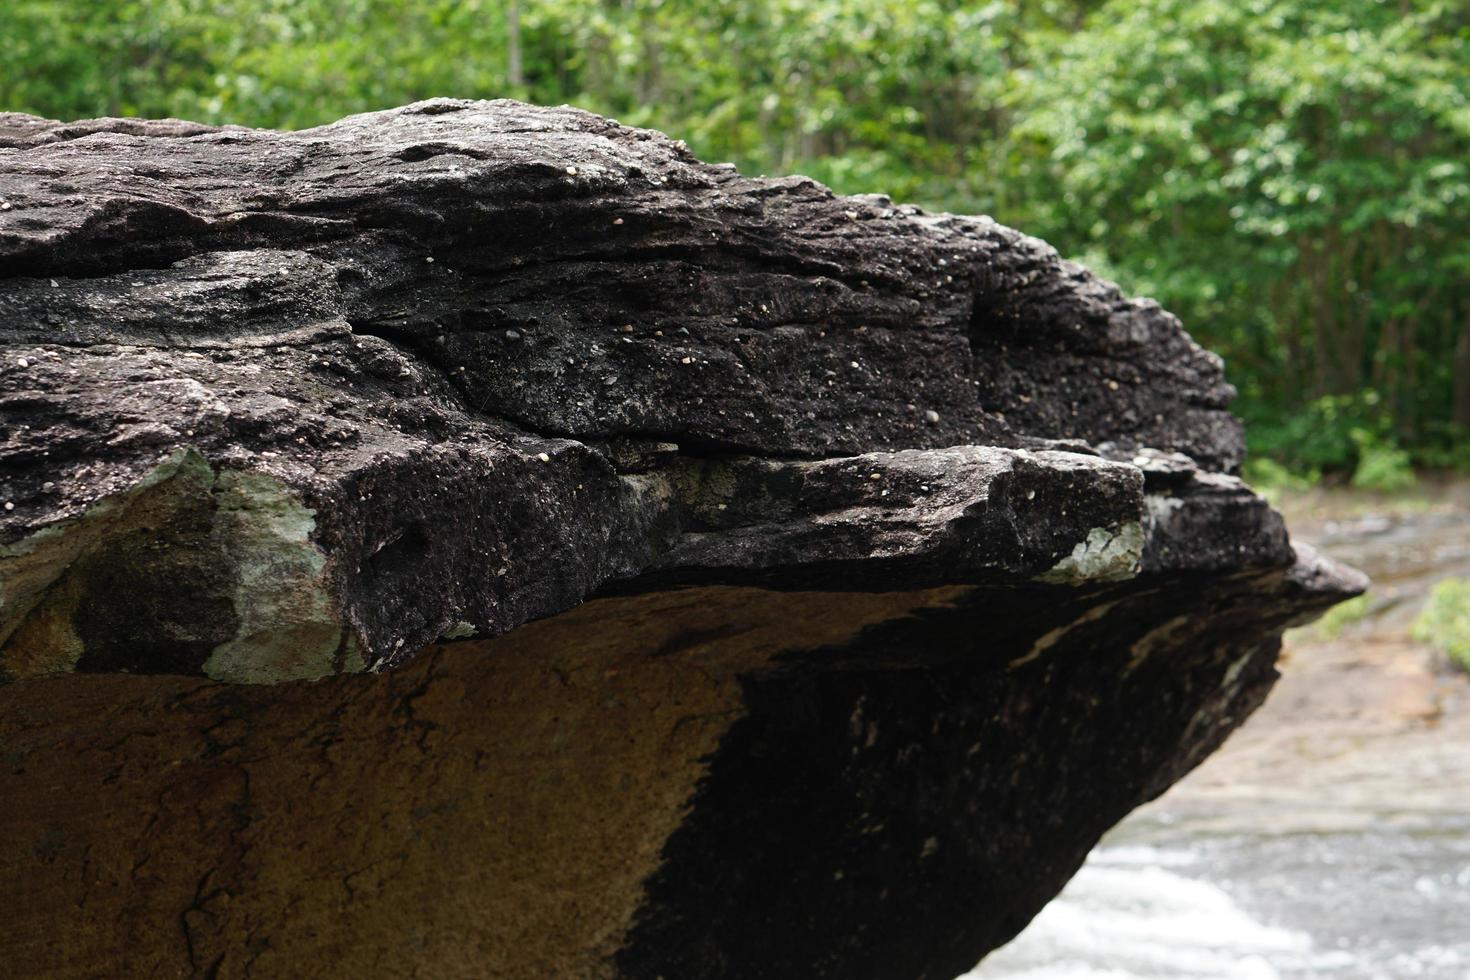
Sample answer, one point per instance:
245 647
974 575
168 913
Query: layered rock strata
483 540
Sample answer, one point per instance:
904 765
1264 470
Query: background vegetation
1291 176
1444 622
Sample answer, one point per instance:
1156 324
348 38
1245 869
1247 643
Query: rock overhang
880 487
458 286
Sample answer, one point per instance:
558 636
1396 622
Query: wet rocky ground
1330 837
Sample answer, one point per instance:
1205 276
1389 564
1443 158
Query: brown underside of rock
492 809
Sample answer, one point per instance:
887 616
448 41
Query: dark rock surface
838 572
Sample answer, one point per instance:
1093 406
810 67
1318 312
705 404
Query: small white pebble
1112 386
48 486
429 259
627 328
23 362
875 476
543 457
686 360
9 505
932 417
5 206
54 284
1030 494
853 365
617 221
571 171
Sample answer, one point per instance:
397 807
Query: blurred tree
1292 177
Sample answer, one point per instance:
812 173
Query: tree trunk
1460 410
513 72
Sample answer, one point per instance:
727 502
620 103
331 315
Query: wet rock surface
823 576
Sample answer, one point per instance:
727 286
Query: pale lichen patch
460 630
253 571
1105 555
290 628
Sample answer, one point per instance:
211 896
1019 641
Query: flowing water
1388 903
1331 836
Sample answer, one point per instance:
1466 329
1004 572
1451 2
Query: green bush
1382 465
1335 434
1341 616
1444 623
1446 446
1269 477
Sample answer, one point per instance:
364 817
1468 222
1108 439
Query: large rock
837 573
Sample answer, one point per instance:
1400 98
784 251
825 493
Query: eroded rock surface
741 580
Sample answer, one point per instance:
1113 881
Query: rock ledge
739 580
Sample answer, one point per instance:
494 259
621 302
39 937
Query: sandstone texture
482 540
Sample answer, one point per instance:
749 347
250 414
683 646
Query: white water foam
1125 917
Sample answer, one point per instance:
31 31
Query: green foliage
1345 434
1291 176
1444 623
1381 466
1272 478
1342 616
1446 448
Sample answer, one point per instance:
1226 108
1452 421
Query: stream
1330 837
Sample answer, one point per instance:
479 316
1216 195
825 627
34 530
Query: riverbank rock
477 539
